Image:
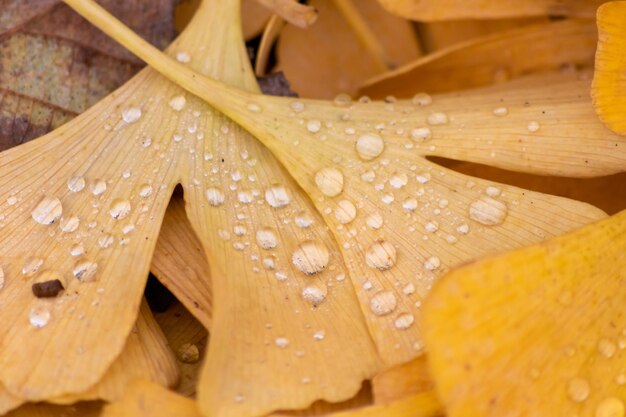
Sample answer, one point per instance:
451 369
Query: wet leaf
608 80
494 58
539 330
54 64
428 10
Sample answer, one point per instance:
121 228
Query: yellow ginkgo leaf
84 409
401 381
493 58
609 84
538 331
429 10
401 220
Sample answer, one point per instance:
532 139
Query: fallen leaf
608 80
427 10
328 58
299 15
537 331
54 64
254 17
86 409
401 381
493 58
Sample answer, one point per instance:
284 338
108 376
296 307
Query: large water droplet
329 181
70 224
131 114
381 255
488 211
39 316
47 211
578 389
85 271
383 303
311 257
266 238
119 208
277 196
369 146
345 211
215 197
76 183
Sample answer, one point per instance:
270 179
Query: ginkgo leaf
111 171
496 57
400 220
402 381
538 331
428 10
85 409
254 17
145 399
299 15
609 86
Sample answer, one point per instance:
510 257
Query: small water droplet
578 389
178 103
342 100
266 238
421 99
375 221
269 262
313 126
314 294
463 229
70 224
277 196
105 241
421 134
500 111
303 220
11 200
39 316
437 118
533 126
215 197
311 257
282 342
47 211
410 204
345 212
145 190
98 187
404 321
85 271
297 106
319 335
32 265
131 114
76 183
119 209
369 146
610 407
398 180
383 303
183 57
432 263
488 211
329 181
431 227
77 250
381 255
254 107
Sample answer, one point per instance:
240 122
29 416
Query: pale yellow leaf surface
537 331
368 187
277 319
609 84
180 263
429 10
491 59
329 58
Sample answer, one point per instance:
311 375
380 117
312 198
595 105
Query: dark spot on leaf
275 84
47 289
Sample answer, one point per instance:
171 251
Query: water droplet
404 321
399 180
119 209
421 134
421 99
375 221
269 262
145 141
610 407
533 126
1 278
76 183
437 118
32 265
383 303
493 191
254 107
369 146
500 111
410 204
463 229
329 181
314 294
345 211
281 342
488 211
303 220
85 271
606 348
98 187
11 200
578 389
178 103
266 238
297 106
77 250
131 114
47 211
381 255
342 100
432 263
69 225
215 197
431 227
311 257
145 190
39 316
105 241
313 126
319 335
276 196
183 57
